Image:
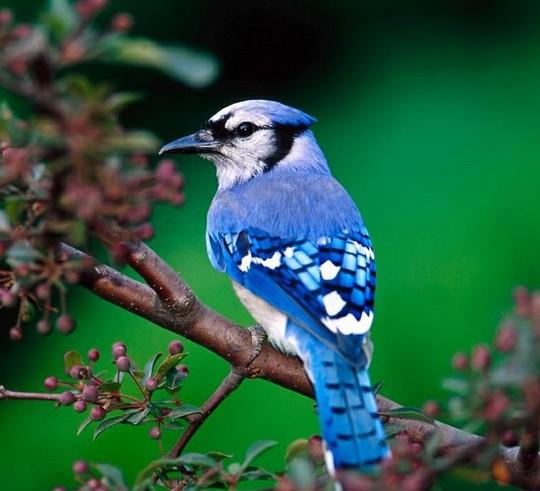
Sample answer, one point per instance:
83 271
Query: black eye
245 129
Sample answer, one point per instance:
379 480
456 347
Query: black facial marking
285 135
217 127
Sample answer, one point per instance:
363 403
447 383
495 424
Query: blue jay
300 259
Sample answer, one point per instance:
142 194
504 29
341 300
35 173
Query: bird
300 259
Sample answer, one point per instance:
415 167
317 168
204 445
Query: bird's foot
258 340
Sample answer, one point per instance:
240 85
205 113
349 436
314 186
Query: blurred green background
429 114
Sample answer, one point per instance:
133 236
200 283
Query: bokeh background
429 114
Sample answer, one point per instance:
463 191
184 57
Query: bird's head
252 137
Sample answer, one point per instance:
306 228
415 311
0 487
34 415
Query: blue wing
326 287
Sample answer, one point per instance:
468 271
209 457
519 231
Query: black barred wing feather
327 286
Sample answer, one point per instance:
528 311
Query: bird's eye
245 129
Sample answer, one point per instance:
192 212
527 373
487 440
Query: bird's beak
200 142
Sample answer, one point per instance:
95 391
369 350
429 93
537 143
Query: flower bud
481 358
431 408
93 484
522 300
50 383
175 347
122 22
43 291
66 398
16 333
6 16
97 413
77 372
460 362
65 324
7 298
80 467
22 31
93 355
155 433
151 384
123 363
496 405
507 338
43 327
145 231
119 349
80 406
90 393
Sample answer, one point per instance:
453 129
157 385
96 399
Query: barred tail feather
351 428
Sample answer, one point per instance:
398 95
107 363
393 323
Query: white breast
271 320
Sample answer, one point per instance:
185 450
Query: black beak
200 142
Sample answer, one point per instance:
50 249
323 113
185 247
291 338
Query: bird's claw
258 339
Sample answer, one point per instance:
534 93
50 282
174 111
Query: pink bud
122 22
481 358
460 361
507 338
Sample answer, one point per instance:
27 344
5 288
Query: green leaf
218 455
169 363
257 449
302 473
61 17
132 141
109 423
14 206
20 252
174 379
377 387
138 416
408 413
257 475
192 68
392 430
110 387
84 424
114 476
196 459
182 411
297 448
234 468
72 358
118 101
149 367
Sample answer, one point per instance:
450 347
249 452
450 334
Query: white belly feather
271 320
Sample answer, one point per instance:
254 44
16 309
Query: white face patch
333 303
239 159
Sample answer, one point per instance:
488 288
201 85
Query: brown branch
528 448
27 396
193 320
231 382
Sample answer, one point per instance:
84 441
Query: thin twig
231 382
27 396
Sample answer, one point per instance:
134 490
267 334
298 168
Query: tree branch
193 320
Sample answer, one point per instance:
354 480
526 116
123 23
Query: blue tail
350 426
